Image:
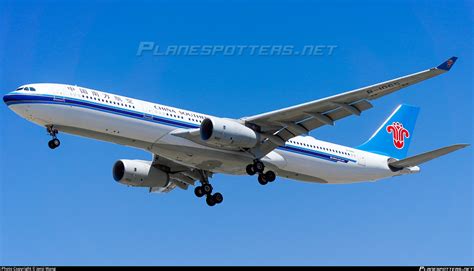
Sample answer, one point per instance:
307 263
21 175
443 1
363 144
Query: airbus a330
190 147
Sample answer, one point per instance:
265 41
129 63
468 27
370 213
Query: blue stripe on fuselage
45 99
317 154
13 99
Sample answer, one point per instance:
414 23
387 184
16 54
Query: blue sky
62 207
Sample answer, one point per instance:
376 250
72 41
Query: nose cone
8 98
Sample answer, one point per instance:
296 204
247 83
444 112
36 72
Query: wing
180 176
280 125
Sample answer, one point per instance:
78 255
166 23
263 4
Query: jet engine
139 173
228 133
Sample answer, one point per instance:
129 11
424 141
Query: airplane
188 146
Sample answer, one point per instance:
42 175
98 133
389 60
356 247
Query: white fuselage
146 125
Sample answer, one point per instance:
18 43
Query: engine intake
139 173
227 133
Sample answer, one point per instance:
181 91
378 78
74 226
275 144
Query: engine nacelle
228 133
139 173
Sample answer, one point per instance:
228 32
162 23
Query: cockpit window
26 89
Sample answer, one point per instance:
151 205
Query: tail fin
393 137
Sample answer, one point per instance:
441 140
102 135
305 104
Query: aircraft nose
7 98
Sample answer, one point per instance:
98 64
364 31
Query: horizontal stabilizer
425 157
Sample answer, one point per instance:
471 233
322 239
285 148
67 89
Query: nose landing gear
259 167
54 142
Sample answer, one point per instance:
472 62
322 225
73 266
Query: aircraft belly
336 172
192 154
329 171
97 121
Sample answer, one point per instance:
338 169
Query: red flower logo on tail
450 63
398 133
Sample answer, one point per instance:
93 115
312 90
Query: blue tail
394 136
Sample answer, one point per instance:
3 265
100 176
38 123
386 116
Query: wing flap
310 123
181 176
425 157
339 113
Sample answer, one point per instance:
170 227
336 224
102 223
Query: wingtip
448 64
461 146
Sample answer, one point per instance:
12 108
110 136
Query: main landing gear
259 167
206 190
54 142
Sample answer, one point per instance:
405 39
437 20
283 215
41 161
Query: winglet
447 64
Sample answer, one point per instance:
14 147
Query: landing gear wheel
207 189
258 166
198 191
210 200
218 198
54 143
270 176
261 179
250 170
